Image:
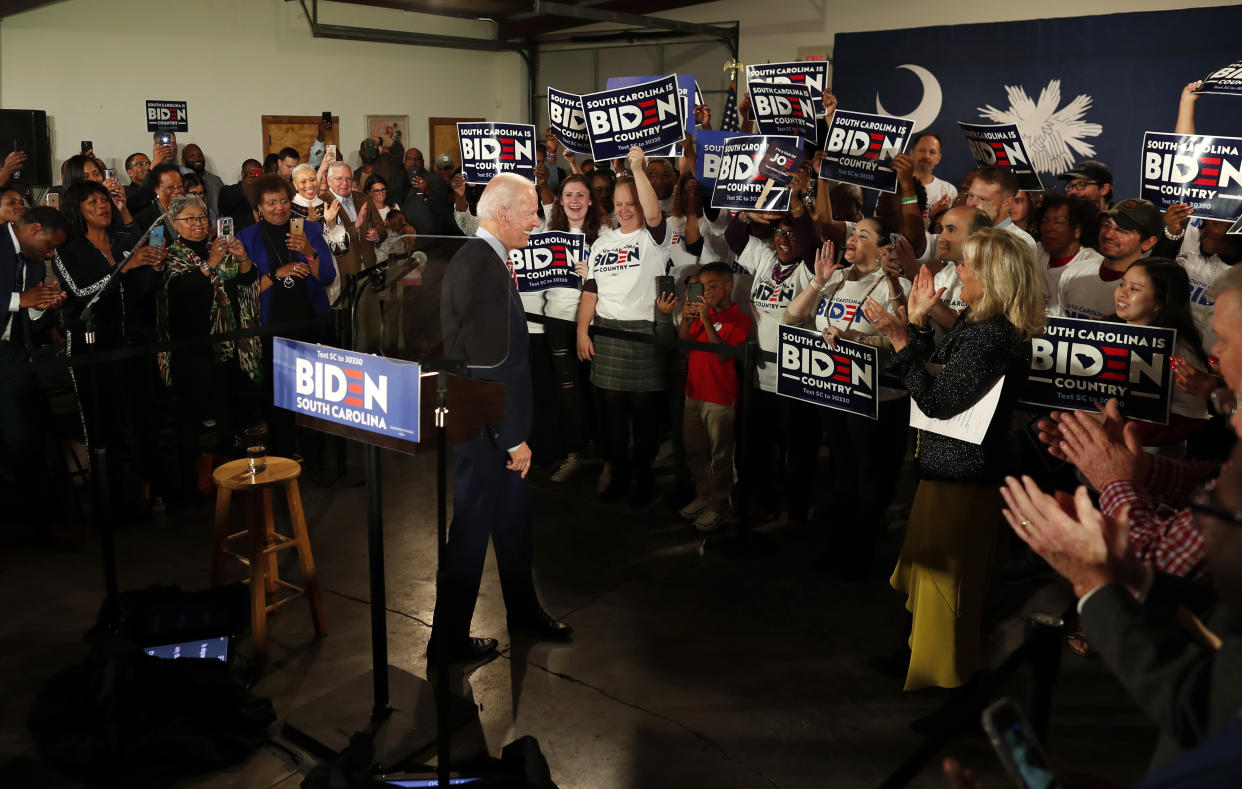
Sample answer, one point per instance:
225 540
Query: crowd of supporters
949 283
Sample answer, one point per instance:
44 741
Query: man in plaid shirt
1157 490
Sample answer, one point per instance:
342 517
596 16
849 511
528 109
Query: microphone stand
99 450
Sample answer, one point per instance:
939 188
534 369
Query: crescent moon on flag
925 114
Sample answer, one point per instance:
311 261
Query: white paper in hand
971 425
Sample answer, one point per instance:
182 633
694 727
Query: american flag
730 120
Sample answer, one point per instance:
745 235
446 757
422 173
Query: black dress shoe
539 623
469 650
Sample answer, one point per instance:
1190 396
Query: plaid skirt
625 366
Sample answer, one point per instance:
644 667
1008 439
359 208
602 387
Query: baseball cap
1090 170
444 160
1136 214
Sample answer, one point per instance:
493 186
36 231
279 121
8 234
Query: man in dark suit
24 246
483 323
1182 670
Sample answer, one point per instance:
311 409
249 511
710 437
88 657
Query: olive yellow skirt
944 569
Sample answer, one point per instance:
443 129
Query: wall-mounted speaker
26 130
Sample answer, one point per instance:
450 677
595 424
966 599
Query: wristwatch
286 281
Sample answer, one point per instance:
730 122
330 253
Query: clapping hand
891 326
923 296
1105 448
42 297
1086 546
1192 380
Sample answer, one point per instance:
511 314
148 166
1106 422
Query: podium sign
354 390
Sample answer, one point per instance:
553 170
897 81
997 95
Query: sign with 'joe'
860 148
1002 145
1077 363
547 261
646 115
167 116
489 149
1205 173
352 389
755 172
843 377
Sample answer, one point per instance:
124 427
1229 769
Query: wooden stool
265 542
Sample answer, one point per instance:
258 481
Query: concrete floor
687 668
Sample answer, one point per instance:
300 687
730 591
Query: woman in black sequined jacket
956 515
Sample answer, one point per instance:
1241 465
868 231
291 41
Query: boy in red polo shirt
711 394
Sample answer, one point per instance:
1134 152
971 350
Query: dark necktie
20 319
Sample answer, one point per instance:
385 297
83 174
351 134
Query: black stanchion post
379 600
1040 673
443 727
99 469
745 402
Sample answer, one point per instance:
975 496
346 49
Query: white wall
92 64
772 32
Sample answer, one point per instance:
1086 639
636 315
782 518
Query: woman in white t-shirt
621 294
575 211
1156 292
865 454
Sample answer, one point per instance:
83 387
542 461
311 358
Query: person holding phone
291 264
710 315
294 270
621 293
123 316
211 288
164 183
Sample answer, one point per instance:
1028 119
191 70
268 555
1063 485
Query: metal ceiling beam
10 7
593 14
384 36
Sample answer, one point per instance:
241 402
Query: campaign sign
843 377
1203 172
859 148
646 115
1001 145
1236 230
784 108
709 147
813 74
567 120
167 116
547 261
1077 363
352 389
489 149
1226 81
755 172
687 89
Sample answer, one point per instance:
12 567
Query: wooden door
443 135
297 132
